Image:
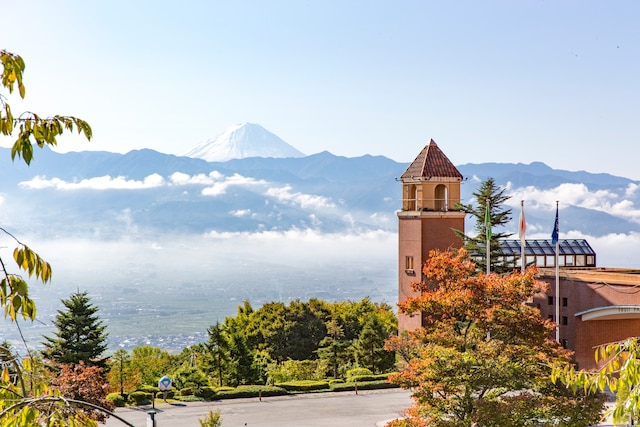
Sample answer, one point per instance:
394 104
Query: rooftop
431 162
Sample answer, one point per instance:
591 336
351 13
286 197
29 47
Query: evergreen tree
333 347
489 192
369 348
242 369
217 352
81 335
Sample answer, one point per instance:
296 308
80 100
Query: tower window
565 302
565 320
550 300
408 264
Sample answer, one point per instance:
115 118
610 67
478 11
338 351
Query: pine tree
81 335
489 192
369 348
333 347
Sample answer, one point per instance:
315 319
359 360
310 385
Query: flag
554 234
523 224
487 221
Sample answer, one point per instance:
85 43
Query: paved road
343 409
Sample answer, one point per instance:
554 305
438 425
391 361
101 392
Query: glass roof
545 247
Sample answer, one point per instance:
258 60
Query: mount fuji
240 141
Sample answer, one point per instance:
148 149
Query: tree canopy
80 336
490 195
483 356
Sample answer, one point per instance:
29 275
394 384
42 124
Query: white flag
523 224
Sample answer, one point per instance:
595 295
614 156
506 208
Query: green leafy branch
32 128
619 373
14 290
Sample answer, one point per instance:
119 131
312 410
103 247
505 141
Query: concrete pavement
338 409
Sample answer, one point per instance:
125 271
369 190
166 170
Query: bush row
188 394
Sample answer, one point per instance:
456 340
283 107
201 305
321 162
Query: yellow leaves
5 375
44 131
14 290
12 69
31 262
32 128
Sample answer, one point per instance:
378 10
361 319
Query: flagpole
521 231
556 237
487 226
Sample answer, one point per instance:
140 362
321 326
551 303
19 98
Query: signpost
164 385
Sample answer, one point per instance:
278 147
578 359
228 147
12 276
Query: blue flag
554 234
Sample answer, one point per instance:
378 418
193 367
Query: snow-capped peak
242 140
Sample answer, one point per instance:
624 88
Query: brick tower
430 189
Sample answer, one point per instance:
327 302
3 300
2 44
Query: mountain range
167 244
80 193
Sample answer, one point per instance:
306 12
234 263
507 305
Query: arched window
442 198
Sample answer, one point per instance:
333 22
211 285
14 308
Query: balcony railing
434 205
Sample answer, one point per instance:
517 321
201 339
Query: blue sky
504 81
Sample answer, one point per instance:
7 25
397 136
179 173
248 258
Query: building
596 305
430 189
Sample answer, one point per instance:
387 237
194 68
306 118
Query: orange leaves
452 288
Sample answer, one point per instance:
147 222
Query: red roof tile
431 162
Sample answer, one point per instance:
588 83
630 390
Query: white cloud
180 178
631 190
98 183
578 195
240 213
215 190
223 183
306 201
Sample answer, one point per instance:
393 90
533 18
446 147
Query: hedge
117 399
250 391
368 385
306 385
139 398
147 388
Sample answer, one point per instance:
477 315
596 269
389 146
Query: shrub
369 385
187 391
297 370
213 419
307 385
139 398
207 392
147 388
251 391
117 399
357 372
363 378
189 398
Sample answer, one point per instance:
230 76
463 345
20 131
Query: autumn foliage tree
484 356
84 383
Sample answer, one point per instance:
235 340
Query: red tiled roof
431 162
